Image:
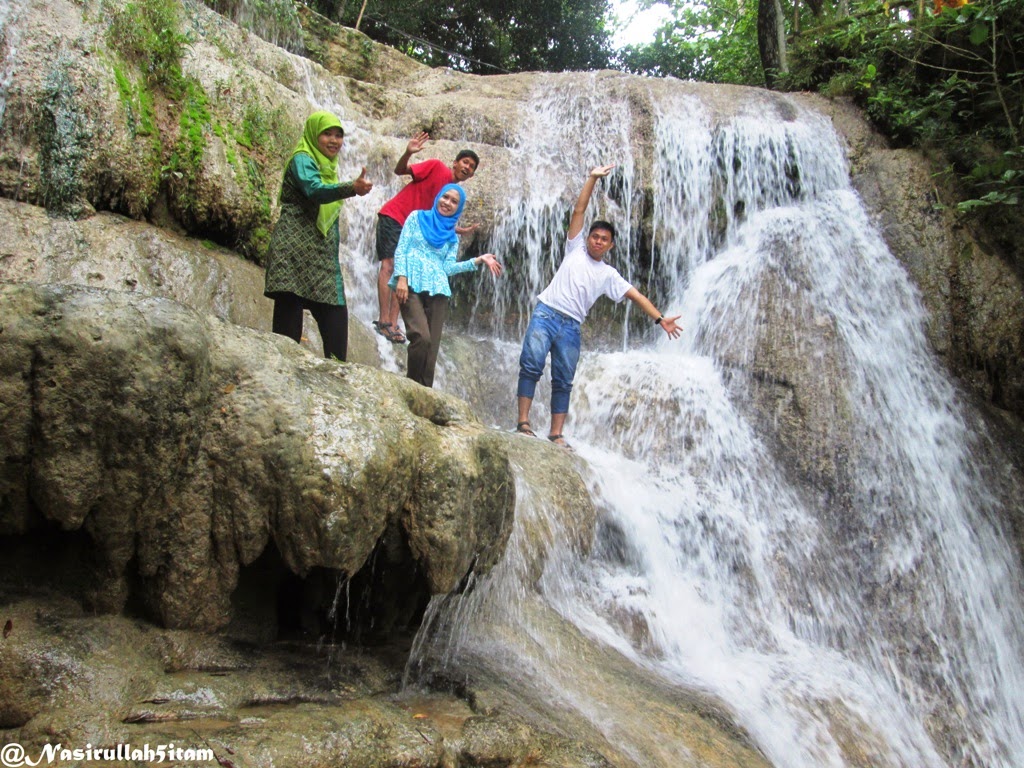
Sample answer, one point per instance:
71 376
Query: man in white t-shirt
582 277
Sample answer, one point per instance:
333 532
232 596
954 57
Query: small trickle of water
10 38
276 21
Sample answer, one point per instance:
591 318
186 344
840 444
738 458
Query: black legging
332 321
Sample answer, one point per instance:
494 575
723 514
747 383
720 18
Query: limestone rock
78 137
119 254
184 446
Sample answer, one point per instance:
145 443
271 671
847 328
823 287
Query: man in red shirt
418 195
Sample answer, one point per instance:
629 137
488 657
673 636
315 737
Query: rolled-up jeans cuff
526 388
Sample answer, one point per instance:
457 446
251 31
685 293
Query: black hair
470 154
601 224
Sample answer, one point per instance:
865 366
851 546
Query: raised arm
576 222
668 324
416 143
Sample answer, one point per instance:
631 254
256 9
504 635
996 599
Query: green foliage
138 105
1000 182
147 34
262 129
950 80
148 37
485 36
140 116
194 122
714 42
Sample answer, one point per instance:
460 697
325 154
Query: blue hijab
439 230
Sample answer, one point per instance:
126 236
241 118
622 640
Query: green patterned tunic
300 260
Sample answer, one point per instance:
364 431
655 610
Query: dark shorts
388 232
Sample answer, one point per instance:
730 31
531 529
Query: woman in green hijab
302 263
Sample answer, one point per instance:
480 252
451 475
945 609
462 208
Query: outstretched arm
668 324
576 222
416 143
492 263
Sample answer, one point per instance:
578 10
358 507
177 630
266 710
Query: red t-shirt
418 195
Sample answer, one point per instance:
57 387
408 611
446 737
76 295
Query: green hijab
316 124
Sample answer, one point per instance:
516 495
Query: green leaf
979 34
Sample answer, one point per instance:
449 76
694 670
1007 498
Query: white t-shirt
580 281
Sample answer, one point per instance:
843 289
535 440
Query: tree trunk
771 40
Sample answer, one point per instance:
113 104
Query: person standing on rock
581 278
418 195
303 271
424 260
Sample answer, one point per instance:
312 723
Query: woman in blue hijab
424 260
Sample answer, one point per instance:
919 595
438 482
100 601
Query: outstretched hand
668 325
466 230
417 142
492 263
361 184
601 171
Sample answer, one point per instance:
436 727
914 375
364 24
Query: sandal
389 332
559 440
523 428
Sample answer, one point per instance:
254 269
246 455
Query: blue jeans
550 331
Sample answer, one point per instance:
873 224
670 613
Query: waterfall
276 21
798 514
798 518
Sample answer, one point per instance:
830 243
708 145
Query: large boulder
184 447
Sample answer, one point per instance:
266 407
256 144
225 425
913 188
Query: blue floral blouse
425 267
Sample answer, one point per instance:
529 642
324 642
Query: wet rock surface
974 297
74 679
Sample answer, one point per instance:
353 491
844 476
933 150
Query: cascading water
797 514
852 598
276 21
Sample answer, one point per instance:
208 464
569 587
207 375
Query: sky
643 25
